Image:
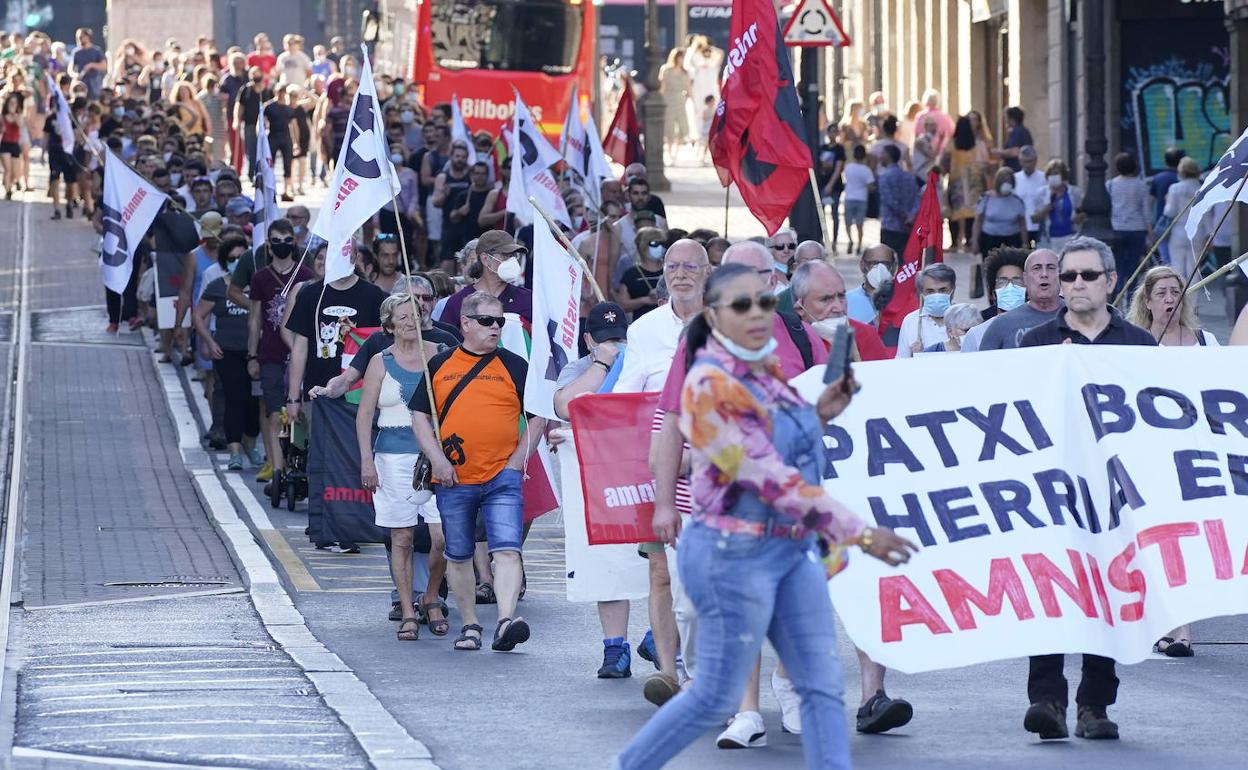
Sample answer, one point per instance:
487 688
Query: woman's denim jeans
746 588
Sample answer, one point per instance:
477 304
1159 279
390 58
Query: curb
386 743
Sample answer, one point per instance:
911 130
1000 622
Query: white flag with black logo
531 159
264 207
1221 184
557 277
64 123
128 206
582 150
363 182
459 129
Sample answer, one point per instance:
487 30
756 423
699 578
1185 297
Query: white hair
789 231
963 315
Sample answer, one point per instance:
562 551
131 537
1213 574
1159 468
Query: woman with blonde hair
675 85
1160 306
187 110
854 124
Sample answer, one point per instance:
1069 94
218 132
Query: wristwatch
605 366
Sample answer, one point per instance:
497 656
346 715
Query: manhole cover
173 581
81 325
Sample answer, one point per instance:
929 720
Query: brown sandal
409 634
437 627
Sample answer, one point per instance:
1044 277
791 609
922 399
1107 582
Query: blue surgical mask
1010 297
935 305
398 89
119 112
745 354
407 116
230 265
396 158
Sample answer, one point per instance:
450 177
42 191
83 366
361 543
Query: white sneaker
746 731
790 703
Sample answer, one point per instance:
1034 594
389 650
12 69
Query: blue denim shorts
499 503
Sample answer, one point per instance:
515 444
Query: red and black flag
925 247
757 134
622 143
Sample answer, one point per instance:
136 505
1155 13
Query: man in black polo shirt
1087 275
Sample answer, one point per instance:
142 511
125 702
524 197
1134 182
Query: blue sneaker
616 662
647 650
235 463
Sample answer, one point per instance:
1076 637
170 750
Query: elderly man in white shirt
925 327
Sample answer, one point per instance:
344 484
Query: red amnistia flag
615 468
756 135
622 143
925 247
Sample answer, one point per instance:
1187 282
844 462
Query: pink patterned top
729 432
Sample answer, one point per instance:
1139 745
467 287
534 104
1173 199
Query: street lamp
1095 145
652 103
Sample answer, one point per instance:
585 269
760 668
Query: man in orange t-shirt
478 464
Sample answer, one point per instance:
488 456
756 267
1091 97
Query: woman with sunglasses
638 291
761 517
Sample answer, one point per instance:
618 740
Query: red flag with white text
757 133
925 247
622 143
615 466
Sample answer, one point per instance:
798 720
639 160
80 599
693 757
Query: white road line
25 753
386 743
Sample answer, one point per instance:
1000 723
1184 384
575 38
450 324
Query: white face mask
744 353
175 178
509 270
1007 188
1055 180
826 328
656 252
878 275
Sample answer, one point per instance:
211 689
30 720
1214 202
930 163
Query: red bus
479 50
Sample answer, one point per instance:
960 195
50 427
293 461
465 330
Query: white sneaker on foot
746 731
790 703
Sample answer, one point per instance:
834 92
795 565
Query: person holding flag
924 247
128 207
59 130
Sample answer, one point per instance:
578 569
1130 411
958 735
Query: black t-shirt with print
340 310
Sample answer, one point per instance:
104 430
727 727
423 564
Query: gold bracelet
867 538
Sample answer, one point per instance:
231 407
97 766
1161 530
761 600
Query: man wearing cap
238 212
606 329
502 275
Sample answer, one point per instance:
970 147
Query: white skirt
393 503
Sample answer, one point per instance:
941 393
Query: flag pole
568 245
823 215
1221 271
1156 243
1187 287
727 191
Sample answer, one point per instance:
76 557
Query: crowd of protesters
717 327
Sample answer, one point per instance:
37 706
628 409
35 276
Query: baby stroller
292 481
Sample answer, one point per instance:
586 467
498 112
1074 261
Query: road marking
133 599
386 743
286 556
25 753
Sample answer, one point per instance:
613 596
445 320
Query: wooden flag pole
550 222
1215 275
823 215
727 191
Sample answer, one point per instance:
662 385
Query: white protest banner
1067 499
264 207
360 186
596 573
64 121
128 206
557 280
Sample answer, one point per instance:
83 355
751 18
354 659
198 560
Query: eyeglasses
425 297
278 241
489 320
741 305
688 267
1088 276
785 247
652 244
1001 283
386 236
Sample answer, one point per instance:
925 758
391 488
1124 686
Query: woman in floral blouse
750 558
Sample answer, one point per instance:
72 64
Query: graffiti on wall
1175 91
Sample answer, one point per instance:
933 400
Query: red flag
756 135
622 143
615 468
925 247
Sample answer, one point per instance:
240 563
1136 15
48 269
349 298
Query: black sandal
485 594
1180 648
466 643
517 633
407 634
437 626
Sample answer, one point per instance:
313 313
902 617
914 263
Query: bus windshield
515 35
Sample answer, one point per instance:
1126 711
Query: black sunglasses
1088 276
785 247
741 305
287 240
489 320
652 244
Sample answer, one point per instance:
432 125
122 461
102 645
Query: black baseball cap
606 321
